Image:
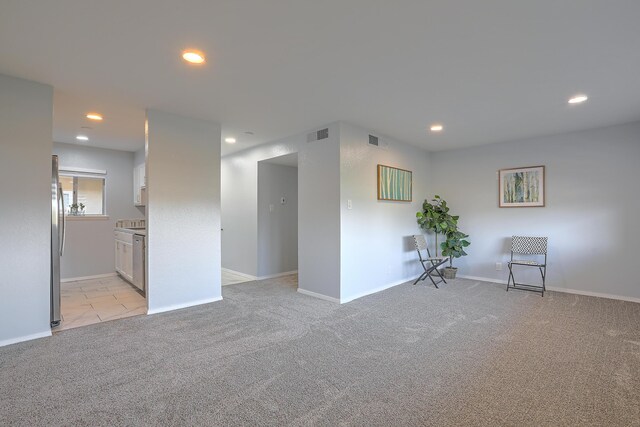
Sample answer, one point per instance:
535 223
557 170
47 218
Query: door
57 241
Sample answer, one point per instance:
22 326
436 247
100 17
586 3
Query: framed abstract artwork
521 187
394 184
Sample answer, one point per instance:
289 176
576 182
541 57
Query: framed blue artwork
521 187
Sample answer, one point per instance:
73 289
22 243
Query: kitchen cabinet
139 185
124 255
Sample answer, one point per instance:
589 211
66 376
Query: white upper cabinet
139 185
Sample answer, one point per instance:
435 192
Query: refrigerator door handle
64 220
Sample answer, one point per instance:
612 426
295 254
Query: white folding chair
429 263
523 245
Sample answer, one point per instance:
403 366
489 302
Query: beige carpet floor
466 354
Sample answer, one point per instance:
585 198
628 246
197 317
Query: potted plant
453 247
73 209
80 208
435 217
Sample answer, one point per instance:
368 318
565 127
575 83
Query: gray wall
343 253
139 157
277 228
89 248
26 126
240 204
319 215
377 249
183 211
318 210
591 213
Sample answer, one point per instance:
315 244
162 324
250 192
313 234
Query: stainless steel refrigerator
58 225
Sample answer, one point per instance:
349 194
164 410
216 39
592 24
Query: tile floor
86 302
230 278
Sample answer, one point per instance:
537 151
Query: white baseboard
273 276
237 273
592 294
97 276
559 289
319 296
482 279
25 338
180 306
375 290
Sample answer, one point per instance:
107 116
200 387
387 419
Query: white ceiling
488 70
286 160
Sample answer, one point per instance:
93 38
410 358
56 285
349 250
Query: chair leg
524 286
442 280
440 274
434 282
510 277
422 277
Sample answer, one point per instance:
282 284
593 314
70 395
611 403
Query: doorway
96 260
278 216
259 218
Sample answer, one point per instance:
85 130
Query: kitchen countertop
140 231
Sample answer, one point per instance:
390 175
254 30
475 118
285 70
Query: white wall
89 247
277 222
376 246
183 211
591 213
318 210
26 127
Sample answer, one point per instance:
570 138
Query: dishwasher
139 262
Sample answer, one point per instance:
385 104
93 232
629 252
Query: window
83 193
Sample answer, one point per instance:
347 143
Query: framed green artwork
394 184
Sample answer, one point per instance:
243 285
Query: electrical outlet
349 204
498 266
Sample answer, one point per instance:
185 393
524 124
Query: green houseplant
453 247
435 217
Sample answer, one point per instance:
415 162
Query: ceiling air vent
373 140
316 136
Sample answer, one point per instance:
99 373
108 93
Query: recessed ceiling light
436 128
94 116
193 56
578 99
82 138
230 140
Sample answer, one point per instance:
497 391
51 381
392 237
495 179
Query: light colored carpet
466 354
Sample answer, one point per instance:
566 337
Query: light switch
282 201
349 204
270 208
